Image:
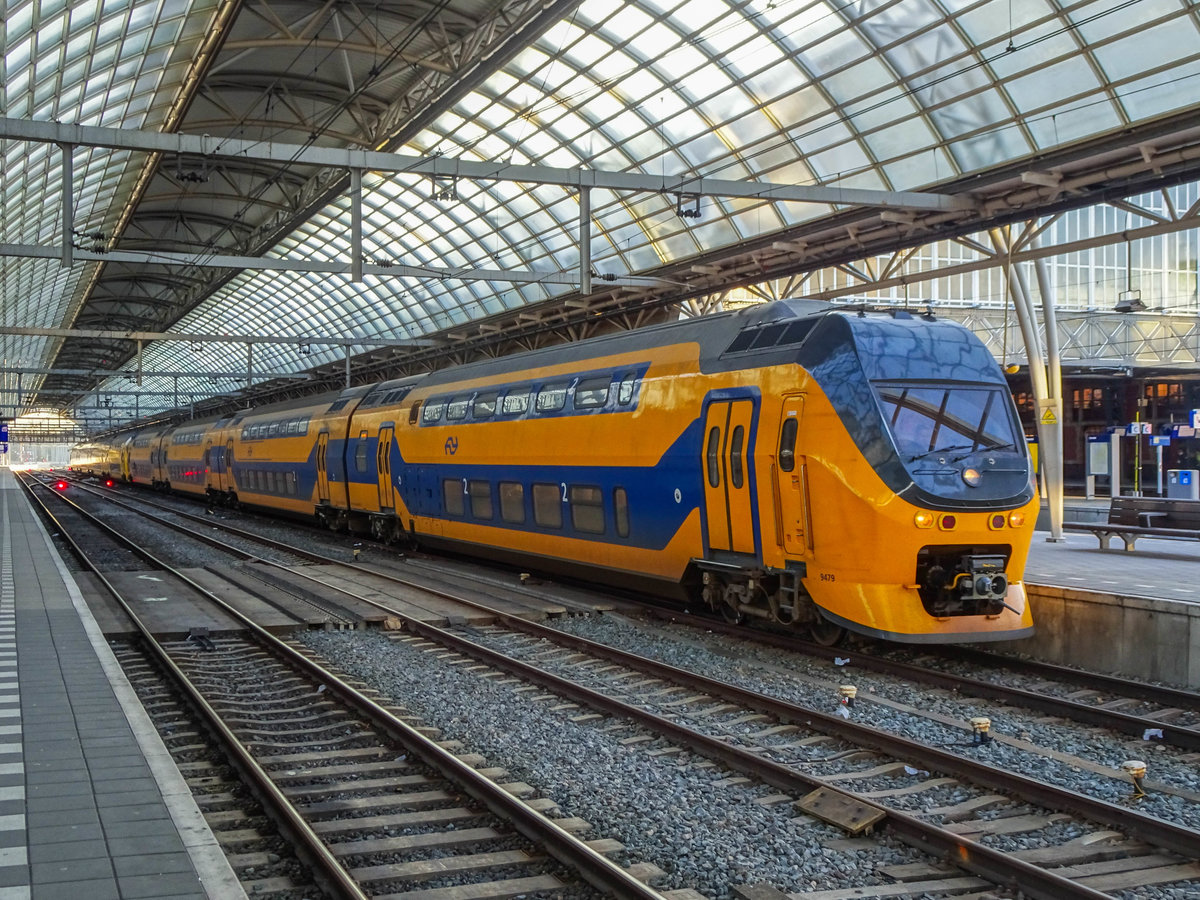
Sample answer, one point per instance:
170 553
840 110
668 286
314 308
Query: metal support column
249 364
68 204
138 379
585 241
1052 455
1026 319
347 365
356 226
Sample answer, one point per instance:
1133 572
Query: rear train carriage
185 457
146 457
279 457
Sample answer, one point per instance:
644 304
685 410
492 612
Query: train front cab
891 494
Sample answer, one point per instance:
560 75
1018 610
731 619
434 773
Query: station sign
1195 422
4 432
1160 440
1138 428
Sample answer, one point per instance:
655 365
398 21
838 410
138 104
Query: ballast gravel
705 833
675 810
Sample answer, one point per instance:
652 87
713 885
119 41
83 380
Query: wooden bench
1130 518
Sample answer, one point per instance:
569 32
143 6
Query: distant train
826 469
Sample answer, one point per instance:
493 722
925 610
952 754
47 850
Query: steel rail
1181 736
596 869
327 871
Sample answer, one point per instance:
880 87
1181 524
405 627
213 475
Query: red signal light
60 485
108 482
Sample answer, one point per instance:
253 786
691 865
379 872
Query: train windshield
925 419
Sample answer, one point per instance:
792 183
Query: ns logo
451 445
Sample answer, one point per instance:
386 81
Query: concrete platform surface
1158 568
91 804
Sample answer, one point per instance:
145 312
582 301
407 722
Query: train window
414 412
433 411
592 392
484 406
551 398
481 498
736 469
742 341
547 505
625 390
621 511
291 483
712 454
787 444
452 493
274 429
304 423
360 452
768 337
456 410
274 482
587 509
512 502
798 331
516 401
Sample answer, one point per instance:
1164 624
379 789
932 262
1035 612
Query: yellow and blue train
828 469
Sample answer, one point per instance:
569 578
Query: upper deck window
552 397
592 392
516 401
456 410
432 411
484 406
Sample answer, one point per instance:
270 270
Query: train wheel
826 633
732 615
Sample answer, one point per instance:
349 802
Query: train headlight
923 519
972 477
1016 519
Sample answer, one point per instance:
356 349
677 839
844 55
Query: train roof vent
773 334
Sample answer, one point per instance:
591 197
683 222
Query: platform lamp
1129 301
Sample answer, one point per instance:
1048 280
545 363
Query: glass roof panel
885 93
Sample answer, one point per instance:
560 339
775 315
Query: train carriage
818 468
146 457
184 457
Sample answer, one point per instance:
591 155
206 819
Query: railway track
801 751
1108 843
352 786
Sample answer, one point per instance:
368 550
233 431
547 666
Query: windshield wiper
1009 446
917 456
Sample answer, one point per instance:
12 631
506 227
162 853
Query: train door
323 467
789 473
209 465
227 466
383 466
726 466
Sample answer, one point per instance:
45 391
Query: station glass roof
902 95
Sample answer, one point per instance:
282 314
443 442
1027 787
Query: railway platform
1134 613
91 804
